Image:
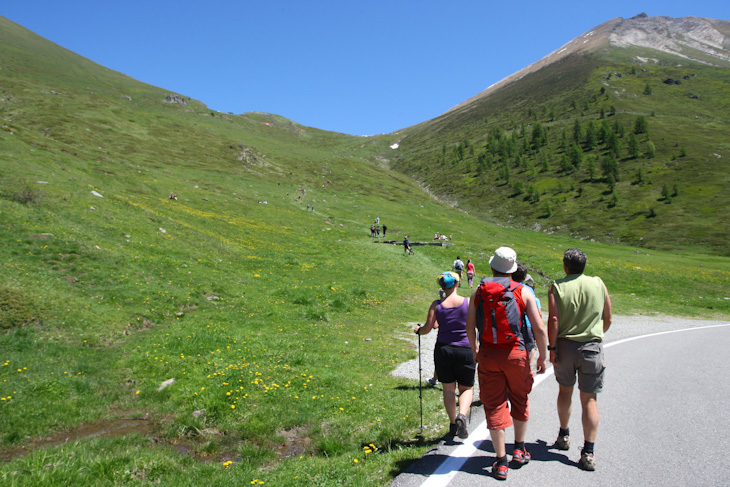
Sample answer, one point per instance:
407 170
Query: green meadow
238 334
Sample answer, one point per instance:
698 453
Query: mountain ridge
640 31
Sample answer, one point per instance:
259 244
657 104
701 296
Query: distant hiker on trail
458 267
470 272
407 245
307 206
452 354
496 311
580 314
377 232
377 220
372 231
384 229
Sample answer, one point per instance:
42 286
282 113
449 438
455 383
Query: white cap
504 260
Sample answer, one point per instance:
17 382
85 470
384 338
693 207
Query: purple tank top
452 324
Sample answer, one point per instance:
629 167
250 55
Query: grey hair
575 261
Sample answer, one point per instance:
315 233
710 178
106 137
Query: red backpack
499 318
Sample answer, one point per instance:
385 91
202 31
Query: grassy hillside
513 157
280 324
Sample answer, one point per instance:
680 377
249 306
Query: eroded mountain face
693 38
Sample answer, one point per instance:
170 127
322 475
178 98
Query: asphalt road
663 419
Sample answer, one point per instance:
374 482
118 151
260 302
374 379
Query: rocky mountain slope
693 38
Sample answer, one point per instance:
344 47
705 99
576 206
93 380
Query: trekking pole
420 381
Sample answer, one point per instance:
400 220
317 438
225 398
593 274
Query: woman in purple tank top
452 355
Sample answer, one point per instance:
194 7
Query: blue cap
448 279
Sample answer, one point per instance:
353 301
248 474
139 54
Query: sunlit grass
274 328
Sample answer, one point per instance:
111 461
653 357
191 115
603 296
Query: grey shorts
585 358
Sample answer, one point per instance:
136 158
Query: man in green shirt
579 315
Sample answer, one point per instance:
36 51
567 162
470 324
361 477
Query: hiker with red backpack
497 332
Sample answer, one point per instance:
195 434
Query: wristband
551 348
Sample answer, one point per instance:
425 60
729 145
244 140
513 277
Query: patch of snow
95 193
395 146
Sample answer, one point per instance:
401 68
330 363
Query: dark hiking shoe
563 442
587 461
461 430
432 382
521 457
499 471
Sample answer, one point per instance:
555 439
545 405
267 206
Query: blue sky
358 67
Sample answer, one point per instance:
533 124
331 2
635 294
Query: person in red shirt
470 272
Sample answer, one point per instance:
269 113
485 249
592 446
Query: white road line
448 469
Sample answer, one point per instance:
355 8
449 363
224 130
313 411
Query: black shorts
454 364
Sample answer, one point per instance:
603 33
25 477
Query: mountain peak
693 38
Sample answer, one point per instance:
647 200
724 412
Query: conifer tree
633 146
576 155
609 166
577 132
545 161
650 149
590 140
613 144
641 126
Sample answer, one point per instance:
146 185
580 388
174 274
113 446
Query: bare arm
538 329
552 327
607 312
471 325
431 322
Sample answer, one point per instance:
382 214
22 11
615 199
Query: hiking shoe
587 461
521 457
563 442
432 382
499 471
461 430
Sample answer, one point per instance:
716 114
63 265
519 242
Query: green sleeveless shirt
580 300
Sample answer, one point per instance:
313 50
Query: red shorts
504 374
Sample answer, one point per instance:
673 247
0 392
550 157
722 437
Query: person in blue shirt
521 276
